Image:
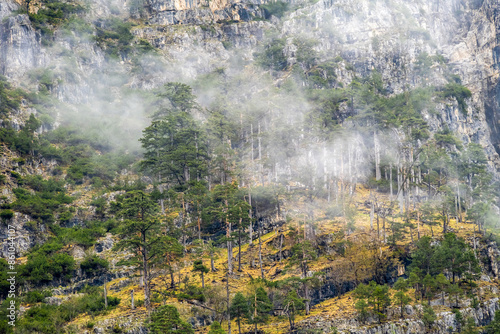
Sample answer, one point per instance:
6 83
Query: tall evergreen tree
260 306
166 320
140 233
239 309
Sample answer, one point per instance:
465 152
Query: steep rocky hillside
213 166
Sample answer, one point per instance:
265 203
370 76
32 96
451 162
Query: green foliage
273 57
114 37
470 327
93 264
305 55
459 92
322 76
82 236
239 308
48 263
49 198
361 307
494 326
445 138
428 316
400 297
174 143
37 296
166 320
292 305
457 256
51 319
10 98
216 328
277 8
4 284
6 214
375 296
22 141
51 15
260 306
429 262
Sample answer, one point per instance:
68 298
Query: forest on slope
297 193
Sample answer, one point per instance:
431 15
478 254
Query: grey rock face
20 48
28 234
446 321
104 244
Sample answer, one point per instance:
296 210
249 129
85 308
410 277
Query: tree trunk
306 292
250 227
260 254
239 247
383 229
132 299
281 245
378 175
255 311
372 211
203 280
172 279
390 182
229 244
228 304
145 271
105 294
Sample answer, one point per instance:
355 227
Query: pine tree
171 250
239 309
292 305
166 320
456 256
428 316
199 267
140 233
175 150
216 328
401 298
260 306
494 326
442 284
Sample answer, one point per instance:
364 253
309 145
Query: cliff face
446 322
20 47
192 38
387 36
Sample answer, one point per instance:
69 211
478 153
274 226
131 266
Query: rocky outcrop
202 11
27 234
482 316
20 46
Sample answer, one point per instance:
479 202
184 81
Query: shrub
93 264
459 92
6 214
36 296
46 264
277 9
273 57
114 37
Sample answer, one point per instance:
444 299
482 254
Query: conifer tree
166 320
401 298
292 305
239 309
216 328
140 233
260 306
199 267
